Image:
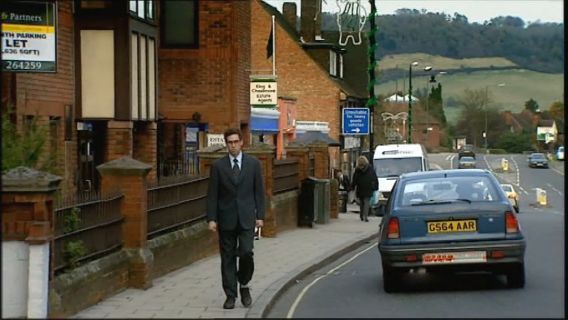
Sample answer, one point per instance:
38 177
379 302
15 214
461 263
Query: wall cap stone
24 179
125 166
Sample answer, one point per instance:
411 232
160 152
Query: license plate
454 257
452 226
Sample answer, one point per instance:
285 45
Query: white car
560 153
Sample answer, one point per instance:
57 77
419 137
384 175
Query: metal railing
87 227
285 175
176 203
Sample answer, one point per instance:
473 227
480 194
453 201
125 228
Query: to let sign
28 36
263 93
355 121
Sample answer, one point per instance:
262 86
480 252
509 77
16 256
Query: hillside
520 84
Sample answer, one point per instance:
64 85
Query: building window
332 63
96 4
341 66
143 9
179 24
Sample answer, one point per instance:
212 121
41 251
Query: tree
531 105
514 142
25 147
557 110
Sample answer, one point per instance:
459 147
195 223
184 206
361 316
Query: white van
560 153
392 160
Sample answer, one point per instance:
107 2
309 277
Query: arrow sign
355 121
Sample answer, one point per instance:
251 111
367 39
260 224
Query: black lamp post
372 65
410 100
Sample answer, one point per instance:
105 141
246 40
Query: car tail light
497 254
393 230
511 222
411 258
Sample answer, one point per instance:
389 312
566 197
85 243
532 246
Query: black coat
364 180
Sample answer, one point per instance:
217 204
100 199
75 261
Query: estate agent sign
28 36
263 92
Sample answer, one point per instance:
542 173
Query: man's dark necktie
236 169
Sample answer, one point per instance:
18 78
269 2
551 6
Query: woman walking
365 182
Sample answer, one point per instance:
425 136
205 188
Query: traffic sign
355 121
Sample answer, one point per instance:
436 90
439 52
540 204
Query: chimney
289 13
309 27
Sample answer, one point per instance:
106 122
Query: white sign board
28 36
352 142
263 93
213 139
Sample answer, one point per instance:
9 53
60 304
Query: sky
475 10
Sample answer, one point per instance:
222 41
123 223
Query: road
352 285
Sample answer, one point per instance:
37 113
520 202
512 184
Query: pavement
195 291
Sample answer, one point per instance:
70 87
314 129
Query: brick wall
212 79
46 94
298 75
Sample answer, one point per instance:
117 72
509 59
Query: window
179 24
143 9
341 66
332 63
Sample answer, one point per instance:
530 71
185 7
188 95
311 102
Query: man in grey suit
235 205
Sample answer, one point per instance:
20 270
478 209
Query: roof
294 35
314 136
546 123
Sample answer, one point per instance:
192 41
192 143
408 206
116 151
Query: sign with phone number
28 36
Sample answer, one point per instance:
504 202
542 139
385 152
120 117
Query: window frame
149 14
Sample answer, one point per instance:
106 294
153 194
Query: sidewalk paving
195 291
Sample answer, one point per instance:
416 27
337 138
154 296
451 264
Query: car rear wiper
429 202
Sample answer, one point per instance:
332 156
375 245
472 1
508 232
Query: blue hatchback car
450 221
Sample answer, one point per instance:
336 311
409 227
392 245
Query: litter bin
307 203
342 195
323 200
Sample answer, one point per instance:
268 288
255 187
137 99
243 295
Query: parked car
512 195
537 160
466 151
560 153
466 162
450 221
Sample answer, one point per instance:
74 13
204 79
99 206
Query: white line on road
562 173
523 190
437 167
518 171
301 295
487 163
554 189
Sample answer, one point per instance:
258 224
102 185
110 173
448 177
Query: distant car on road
466 151
466 163
450 221
537 160
560 153
512 195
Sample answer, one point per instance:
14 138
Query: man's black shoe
245 297
229 303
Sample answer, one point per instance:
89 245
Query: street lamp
413 64
486 104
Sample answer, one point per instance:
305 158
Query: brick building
308 68
133 78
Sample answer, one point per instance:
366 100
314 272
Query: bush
25 147
514 142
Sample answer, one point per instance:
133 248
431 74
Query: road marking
523 190
487 163
301 295
518 171
554 189
562 173
437 166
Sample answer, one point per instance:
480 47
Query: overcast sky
475 10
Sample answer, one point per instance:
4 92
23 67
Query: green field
520 85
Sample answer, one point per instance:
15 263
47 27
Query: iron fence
285 175
87 227
176 202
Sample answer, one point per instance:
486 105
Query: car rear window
432 190
507 188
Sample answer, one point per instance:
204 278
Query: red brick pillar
302 154
321 154
208 155
145 147
119 139
27 230
129 176
266 155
